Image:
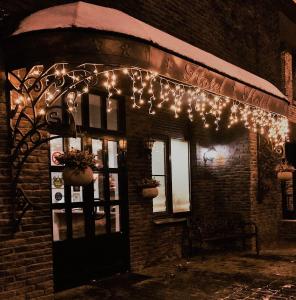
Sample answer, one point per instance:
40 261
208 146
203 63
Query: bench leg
244 243
186 245
257 244
257 240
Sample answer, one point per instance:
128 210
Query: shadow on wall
222 176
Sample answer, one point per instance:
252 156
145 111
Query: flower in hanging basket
148 183
78 167
149 187
284 170
77 159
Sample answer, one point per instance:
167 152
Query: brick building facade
246 35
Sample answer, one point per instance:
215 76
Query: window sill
164 221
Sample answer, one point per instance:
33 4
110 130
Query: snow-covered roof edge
86 15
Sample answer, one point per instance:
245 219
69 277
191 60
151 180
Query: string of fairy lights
150 89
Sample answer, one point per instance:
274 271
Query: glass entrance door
89 223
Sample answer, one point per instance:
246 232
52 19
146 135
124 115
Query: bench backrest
222 225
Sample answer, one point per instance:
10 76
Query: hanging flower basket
149 188
150 192
79 167
284 171
76 177
285 176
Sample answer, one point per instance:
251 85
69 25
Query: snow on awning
85 15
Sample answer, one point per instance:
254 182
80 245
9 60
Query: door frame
105 135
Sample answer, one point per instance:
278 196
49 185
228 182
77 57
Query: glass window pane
97 150
75 143
59 225
112 154
113 185
115 218
57 186
56 148
100 220
180 175
159 203
158 158
158 168
94 111
98 186
77 114
76 194
112 116
77 223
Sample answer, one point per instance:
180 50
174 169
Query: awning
165 54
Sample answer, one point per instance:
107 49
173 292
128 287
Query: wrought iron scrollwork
22 204
42 100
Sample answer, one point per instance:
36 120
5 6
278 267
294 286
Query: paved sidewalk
270 276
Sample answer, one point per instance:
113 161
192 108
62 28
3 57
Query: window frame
84 131
169 212
121 124
166 142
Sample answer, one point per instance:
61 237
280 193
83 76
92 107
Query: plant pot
150 192
286 175
77 177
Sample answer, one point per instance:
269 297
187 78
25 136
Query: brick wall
25 256
227 185
149 242
221 188
267 211
287 75
239 32
5 174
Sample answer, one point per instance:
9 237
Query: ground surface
270 276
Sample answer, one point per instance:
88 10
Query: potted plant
284 171
79 167
149 187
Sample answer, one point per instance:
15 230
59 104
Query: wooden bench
226 229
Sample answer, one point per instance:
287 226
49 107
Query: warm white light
179 97
42 112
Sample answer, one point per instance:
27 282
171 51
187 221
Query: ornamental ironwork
44 99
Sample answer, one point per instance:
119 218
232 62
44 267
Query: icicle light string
160 91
